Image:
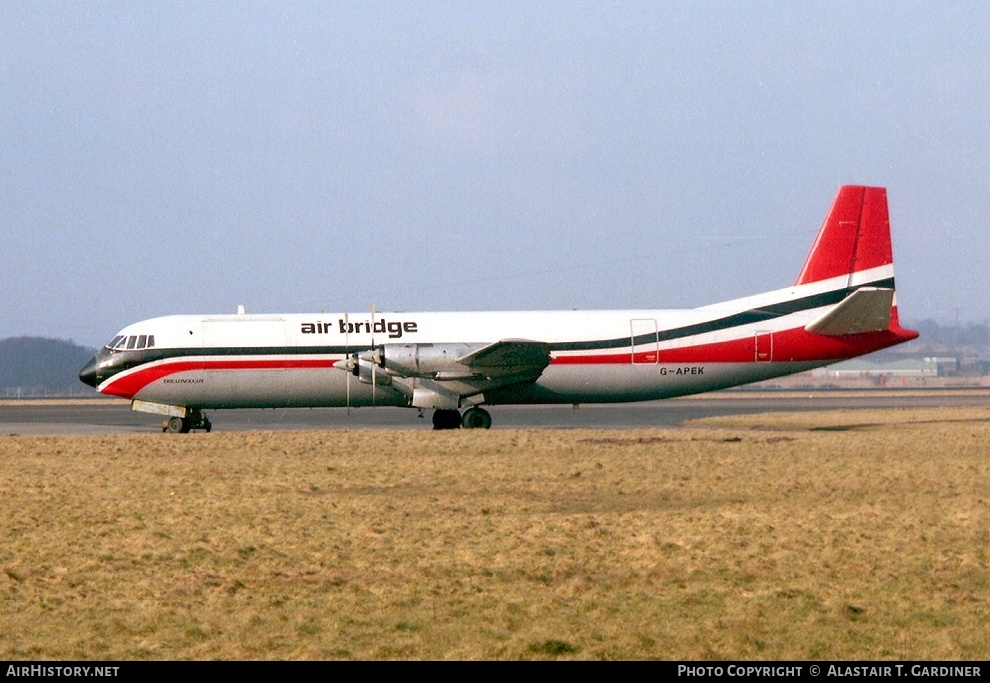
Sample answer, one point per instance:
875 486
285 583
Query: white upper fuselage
594 356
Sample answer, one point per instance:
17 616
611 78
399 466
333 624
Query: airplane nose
88 374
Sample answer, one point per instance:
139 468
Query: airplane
841 306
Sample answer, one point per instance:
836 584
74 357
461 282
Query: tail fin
855 236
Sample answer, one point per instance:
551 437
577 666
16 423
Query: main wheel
446 419
476 418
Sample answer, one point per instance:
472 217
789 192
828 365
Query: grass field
840 535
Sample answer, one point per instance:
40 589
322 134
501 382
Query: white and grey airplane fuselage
842 306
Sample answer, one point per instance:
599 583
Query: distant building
947 365
861 368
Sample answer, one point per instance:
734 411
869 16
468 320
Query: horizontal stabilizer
865 310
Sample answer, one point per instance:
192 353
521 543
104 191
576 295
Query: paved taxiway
108 416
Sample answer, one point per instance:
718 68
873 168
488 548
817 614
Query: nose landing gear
182 425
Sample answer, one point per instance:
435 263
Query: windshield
131 342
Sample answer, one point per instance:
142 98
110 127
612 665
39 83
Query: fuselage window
130 342
151 340
142 341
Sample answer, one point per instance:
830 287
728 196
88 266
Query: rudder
854 237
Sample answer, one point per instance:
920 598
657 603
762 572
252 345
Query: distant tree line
36 366
964 335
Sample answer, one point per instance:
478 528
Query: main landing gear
473 418
182 425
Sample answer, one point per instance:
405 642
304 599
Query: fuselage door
764 346
644 340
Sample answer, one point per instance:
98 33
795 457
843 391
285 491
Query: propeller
374 366
347 334
351 363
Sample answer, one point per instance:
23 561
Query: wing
509 358
450 375
501 364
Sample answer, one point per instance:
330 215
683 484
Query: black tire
446 419
177 425
476 418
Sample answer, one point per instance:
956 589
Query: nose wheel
183 425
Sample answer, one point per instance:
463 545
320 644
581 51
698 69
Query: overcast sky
162 157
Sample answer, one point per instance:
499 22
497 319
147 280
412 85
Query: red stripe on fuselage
127 386
793 345
787 345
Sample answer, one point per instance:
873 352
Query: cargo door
764 346
644 341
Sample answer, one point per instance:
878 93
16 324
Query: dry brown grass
759 537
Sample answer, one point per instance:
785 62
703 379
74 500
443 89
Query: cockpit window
132 342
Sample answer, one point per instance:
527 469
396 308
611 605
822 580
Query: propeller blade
347 362
374 375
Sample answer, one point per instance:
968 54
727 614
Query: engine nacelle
425 360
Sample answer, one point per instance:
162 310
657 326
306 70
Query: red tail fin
854 237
